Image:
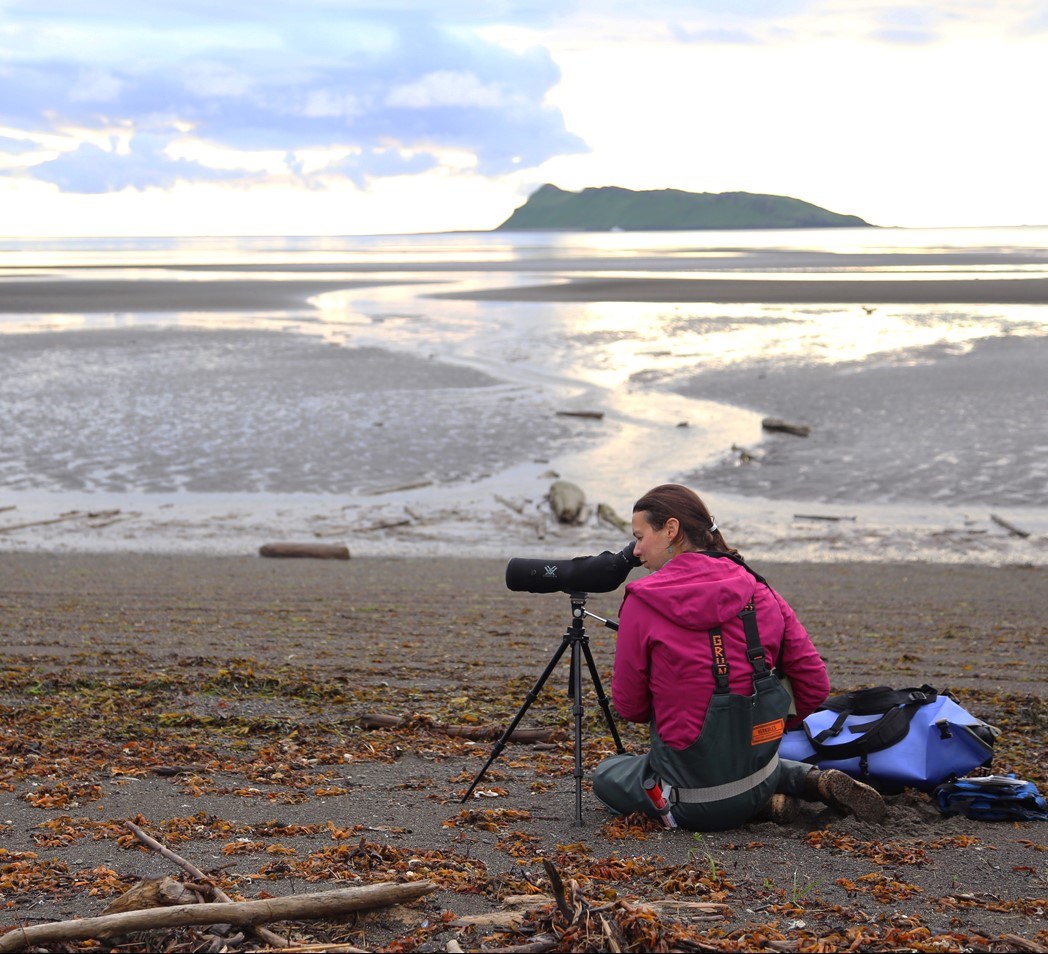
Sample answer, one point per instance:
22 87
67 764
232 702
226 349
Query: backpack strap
878 699
737 560
897 708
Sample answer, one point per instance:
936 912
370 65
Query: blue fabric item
893 738
993 798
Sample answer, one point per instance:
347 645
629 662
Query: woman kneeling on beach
697 644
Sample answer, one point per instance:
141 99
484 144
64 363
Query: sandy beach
218 702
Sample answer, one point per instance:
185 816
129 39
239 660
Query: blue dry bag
893 738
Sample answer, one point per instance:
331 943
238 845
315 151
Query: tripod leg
576 708
603 699
528 700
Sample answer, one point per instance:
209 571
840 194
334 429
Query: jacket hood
696 591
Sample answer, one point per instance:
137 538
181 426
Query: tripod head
579 611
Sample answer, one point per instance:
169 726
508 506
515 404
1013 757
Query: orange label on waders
768 731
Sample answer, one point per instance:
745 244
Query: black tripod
576 638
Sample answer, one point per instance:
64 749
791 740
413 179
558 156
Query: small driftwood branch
1010 527
263 934
1016 943
747 455
73 515
537 945
386 525
393 490
784 427
607 513
514 506
819 516
324 949
316 551
557 884
484 732
324 904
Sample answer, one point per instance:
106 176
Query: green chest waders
726 775
730 771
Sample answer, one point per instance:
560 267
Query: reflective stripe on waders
714 793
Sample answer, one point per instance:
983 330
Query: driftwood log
784 427
484 732
566 500
593 415
315 551
324 904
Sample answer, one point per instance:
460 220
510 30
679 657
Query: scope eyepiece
589 574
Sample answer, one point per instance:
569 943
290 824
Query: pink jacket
663 657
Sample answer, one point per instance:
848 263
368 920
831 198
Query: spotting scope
587 574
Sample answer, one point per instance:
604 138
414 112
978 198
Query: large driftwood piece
566 500
784 427
487 732
324 904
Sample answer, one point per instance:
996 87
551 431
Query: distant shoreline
1018 291
83 296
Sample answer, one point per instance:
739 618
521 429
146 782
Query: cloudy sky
342 117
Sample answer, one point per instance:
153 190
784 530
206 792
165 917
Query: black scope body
588 574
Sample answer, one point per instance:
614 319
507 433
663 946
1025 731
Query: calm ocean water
929 416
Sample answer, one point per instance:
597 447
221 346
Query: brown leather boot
781 809
849 796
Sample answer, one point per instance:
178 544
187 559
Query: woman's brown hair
696 525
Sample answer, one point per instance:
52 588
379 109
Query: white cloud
446 88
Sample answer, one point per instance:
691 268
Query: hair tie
713 525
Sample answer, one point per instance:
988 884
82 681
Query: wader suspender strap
720 661
754 650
